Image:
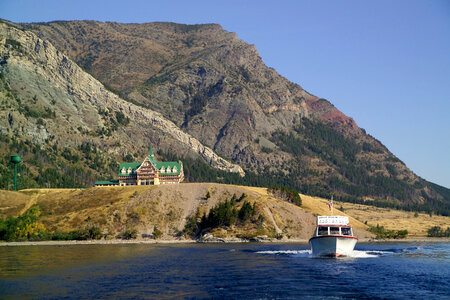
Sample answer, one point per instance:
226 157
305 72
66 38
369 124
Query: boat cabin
333 230
333 225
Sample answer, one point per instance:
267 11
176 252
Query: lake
231 271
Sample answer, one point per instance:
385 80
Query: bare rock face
76 97
203 78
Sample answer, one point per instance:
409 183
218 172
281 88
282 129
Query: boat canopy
332 220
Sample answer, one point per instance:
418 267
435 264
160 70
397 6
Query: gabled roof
170 164
157 164
132 165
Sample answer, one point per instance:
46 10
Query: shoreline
215 241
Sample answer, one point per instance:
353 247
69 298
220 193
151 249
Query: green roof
114 182
133 167
157 164
170 164
152 159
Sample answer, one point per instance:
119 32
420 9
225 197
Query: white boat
333 237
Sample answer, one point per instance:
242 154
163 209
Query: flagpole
331 204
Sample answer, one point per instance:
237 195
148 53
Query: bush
382 233
92 233
157 233
266 150
129 234
437 231
122 119
24 227
27 228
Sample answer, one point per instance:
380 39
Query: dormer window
124 170
174 169
163 170
129 170
168 170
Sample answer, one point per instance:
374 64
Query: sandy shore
150 241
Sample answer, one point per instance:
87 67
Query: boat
333 236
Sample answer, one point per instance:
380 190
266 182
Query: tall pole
330 205
15 177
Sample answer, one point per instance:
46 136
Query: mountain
216 88
62 120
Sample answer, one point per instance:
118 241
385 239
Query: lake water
231 271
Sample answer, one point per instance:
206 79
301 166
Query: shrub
266 150
437 231
129 234
157 233
122 119
382 233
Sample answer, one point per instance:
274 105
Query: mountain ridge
217 88
78 95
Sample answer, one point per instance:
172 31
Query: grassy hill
140 209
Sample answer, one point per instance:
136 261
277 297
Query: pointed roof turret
151 156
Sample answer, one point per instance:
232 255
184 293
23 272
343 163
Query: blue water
231 271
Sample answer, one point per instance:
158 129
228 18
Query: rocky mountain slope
216 88
48 101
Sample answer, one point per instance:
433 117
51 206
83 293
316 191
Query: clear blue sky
384 63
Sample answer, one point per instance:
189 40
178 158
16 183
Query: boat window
334 230
322 231
345 231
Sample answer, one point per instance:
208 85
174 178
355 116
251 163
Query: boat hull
332 246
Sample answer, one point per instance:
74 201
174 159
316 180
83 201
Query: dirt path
30 203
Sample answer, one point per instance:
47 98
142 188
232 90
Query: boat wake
308 253
304 253
369 253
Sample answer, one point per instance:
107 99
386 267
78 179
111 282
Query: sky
384 63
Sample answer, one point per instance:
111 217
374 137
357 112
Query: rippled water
286 271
